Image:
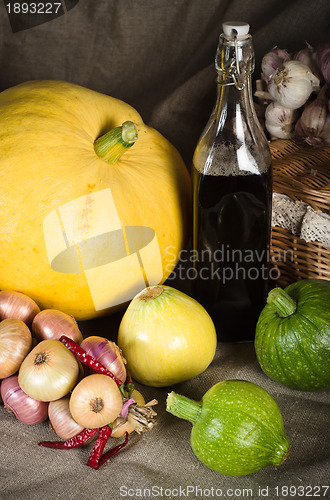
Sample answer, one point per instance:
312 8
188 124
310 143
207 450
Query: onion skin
15 343
166 336
91 389
52 324
17 305
26 409
107 353
61 420
49 371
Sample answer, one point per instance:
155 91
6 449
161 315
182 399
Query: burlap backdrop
158 56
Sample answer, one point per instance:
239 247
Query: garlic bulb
323 60
308 56
272 60
292 84
313 126
279 120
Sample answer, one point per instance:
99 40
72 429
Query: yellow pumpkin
83 229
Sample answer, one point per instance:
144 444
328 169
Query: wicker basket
303 174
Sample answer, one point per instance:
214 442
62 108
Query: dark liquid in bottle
231 233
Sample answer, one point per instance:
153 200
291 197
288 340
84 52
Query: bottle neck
234 61
233 142
234 111
234 107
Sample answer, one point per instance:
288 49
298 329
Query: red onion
52 324
26 409
61 420
107 353
17 305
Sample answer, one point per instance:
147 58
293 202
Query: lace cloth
300 219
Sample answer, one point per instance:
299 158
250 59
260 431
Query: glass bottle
232 197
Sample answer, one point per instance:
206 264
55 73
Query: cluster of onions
34 365
296 90
43 379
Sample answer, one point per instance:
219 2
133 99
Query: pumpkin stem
282 302
183 407
112 145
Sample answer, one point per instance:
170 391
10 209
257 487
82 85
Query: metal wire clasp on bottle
234 71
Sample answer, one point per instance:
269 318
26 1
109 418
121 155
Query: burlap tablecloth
158 55
160 463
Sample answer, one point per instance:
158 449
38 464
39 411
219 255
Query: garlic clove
272 60
292 84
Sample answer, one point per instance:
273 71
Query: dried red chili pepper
87 359
73 442
101 441
106 456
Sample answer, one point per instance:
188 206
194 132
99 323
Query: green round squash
292 339
237 427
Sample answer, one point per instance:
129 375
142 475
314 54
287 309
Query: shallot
52 324
15 343
107 353
26 409
61 419
17 305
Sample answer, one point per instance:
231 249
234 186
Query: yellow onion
95 401
49 371
166 337
15 343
